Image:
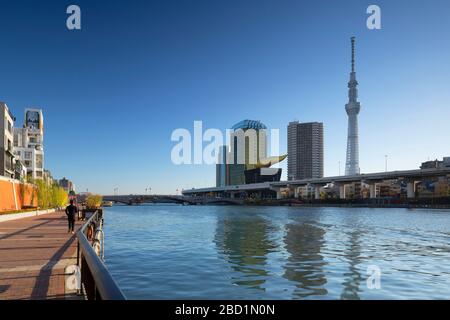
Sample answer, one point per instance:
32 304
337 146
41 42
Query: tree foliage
94 201
50 196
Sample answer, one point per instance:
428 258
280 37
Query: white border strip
15 216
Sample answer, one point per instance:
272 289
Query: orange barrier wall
16 196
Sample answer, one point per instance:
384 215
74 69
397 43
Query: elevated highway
411 177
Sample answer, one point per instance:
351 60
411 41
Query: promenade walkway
33 254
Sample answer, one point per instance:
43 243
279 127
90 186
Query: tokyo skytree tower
352 107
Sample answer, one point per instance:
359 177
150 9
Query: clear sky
113 92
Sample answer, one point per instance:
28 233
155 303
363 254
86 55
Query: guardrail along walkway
33 254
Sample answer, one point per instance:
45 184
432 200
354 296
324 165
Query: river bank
440 203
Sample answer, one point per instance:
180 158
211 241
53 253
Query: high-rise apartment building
305 150
29 143
7 161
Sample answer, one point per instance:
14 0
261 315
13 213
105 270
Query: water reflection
352 278
305 263
220 252
245 243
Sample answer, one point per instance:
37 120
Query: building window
39 161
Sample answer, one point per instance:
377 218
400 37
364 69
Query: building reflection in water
353 277
305 264
245 243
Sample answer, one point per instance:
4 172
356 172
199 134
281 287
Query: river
240 252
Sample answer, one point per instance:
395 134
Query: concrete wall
16 196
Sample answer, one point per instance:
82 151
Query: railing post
87 280
78 253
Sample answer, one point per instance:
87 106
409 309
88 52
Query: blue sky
113 92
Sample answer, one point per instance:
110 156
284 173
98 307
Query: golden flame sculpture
270 161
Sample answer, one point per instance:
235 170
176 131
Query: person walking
71 210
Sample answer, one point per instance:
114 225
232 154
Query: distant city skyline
113 92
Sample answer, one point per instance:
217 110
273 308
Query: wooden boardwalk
33 254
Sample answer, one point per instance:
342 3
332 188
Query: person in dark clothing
71 211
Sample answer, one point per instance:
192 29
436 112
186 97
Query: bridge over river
186 200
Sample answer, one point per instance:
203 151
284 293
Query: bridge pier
279 196
411 190
317 192
295 190
296 193
342 193
277 190
373 190
316 188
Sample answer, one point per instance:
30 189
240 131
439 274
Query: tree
94 201
50 196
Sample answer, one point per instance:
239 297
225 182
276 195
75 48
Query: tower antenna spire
353 53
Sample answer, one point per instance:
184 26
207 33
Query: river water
239 252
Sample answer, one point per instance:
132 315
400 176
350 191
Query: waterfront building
389 189
442 187
354 190
221 167
330 191
66 184
434 188
20 171
436 164
352 108
48 178
305 150
7 159
28 143
247 147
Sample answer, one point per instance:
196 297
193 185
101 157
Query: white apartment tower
29 143
7 161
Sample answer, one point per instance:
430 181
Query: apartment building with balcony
29 143
7 161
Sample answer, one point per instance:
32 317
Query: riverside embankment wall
15 195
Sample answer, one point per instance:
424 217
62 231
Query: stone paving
33 254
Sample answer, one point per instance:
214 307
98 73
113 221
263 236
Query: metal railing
96 281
